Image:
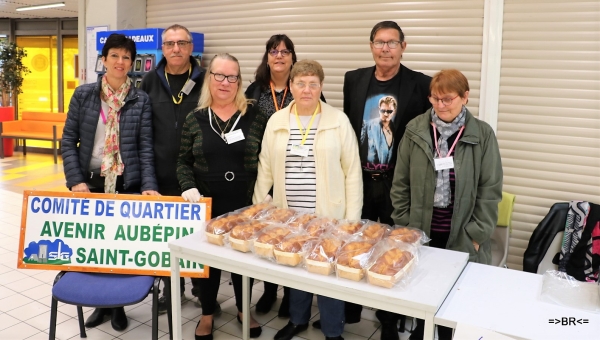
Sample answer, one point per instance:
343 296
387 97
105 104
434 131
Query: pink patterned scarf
112 164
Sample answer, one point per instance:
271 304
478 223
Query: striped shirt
300 172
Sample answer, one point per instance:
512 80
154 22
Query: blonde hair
241 103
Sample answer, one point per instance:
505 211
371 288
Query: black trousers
209 289
377 206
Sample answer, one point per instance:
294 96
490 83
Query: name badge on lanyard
299 150
188 86
444 163
234 136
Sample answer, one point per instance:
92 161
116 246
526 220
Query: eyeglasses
445 101
220 77
389 112
312 86
391 44
284 53
180 43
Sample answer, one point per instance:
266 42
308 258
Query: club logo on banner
107 233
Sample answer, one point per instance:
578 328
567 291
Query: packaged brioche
267 238
242 235
217 229
374 231
279 215
321 258
318 226
353 258
301 220
292 248
408 235
255 211
347 228
391 263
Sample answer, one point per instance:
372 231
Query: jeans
332 311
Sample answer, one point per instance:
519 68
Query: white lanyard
222 134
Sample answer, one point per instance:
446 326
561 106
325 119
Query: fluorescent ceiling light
29 8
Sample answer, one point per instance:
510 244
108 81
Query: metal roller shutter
549 112
439 34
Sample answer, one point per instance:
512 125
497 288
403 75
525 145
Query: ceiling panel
8 9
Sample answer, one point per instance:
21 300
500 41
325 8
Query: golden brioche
349 227
300 221
325 250
272 235
280 215
246 230
391 262
293 244
405 235
318 226
350 254
374 231
223 225
255 210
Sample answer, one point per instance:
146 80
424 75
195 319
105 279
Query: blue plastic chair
105 291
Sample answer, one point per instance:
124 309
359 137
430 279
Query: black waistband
378 175
228 176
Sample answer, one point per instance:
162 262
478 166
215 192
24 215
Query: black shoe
98 317
255 332
162 303
317 324
118 319
207 336
284 308
389 332
288 332
265 303
339 337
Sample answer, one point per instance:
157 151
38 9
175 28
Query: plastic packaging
290 251
318 226
266 240
255 211
217 229
347 227
353 258
300 221
374 231
408 235
279 215
321 258
562 289
242 236
391 263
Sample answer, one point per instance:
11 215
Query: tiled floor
25 295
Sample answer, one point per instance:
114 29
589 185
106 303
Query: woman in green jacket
448 176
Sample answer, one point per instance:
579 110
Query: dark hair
263 75
386 24
117 40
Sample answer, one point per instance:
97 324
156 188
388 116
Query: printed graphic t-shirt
377 133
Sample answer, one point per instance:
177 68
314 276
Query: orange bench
35 125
